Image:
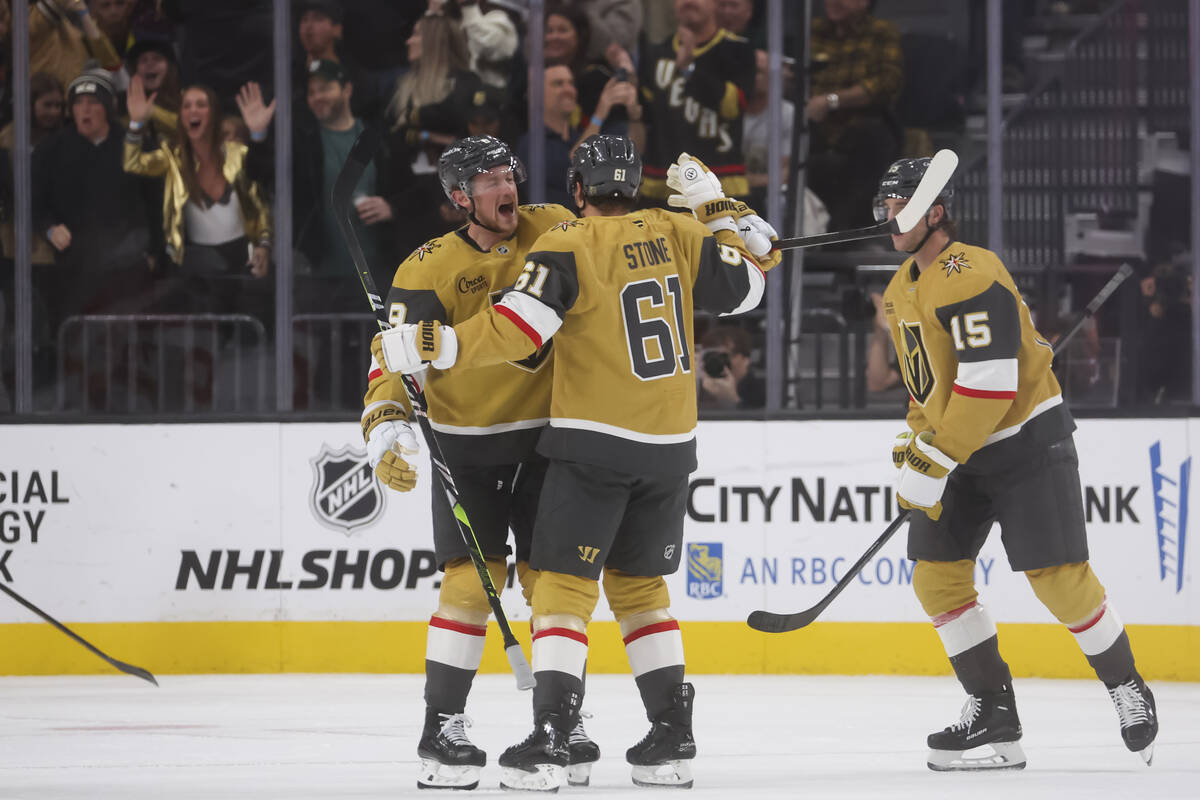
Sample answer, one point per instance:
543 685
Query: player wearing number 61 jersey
989 440
616 291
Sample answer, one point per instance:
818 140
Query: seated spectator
216 223
559 135
63 36
46 98
429 110
757 136
152 58
325 274
320 28
89 209
1165 359
857 74
726 381
702 115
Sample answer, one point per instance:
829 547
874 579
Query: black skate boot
583 753
539 764
661 757
988 719
448 759
1138 715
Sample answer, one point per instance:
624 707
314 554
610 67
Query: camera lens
715 363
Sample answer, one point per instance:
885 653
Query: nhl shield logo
345 494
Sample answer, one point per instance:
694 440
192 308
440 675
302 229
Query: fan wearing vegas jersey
990 440
487 421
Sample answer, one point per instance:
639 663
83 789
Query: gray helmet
474 155
901 180
607 166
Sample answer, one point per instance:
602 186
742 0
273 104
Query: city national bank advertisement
271 547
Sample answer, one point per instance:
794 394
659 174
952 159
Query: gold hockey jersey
483 416
617 294
976 369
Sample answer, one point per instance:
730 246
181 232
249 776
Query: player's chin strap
929 229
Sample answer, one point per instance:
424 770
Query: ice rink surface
354 737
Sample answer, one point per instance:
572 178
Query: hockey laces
578 734
1131 706
454 728
970 713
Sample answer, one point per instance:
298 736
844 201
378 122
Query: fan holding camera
724 377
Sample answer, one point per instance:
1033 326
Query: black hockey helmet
607 166
471 156
901 180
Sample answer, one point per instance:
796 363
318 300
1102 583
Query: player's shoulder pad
963 271
682 221
542 215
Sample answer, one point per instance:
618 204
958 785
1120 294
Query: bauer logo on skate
345 494
705 569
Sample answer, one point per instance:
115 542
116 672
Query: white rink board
114 510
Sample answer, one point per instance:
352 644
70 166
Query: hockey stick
361 153
121 665
770 622
937 175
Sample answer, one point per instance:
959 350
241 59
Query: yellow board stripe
1164 652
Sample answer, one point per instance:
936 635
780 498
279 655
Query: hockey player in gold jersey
990 440
487 421
616 291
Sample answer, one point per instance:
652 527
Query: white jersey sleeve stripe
538 316
996 375
758 284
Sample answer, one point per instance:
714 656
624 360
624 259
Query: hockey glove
700 190
899 447
388 445
923 476
408 348
758 236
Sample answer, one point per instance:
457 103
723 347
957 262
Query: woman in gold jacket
214 216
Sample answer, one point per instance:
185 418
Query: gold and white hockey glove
390 447
700 190
409 348
900 447
923 476
758 235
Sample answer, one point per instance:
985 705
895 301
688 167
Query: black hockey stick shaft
361 153
837 237
770 622
129 669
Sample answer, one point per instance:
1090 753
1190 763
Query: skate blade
436 775
579 774
1147 754
995 755
670 775
543 778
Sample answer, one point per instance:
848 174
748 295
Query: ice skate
583 753
986 736
663 756
448 759
1138 715
539 764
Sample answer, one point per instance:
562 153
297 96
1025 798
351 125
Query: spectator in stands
883 370
735 16
320 28
726 381
559 134
63 36
610 22
429 109
152 58
113 19
1165 358
491 38
857 74
47 101
757 136
324 271
215 220
223 45
703 115
89 209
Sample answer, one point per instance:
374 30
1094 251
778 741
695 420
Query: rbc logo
705 565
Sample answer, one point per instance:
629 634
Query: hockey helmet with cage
471 156
607 167
901 180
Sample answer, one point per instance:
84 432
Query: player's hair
731 337
443 52
212 136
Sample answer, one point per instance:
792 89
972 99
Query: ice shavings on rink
354 737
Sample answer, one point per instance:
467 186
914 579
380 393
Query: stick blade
937 175
130 669
770 622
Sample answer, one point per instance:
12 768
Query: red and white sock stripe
964 627
455 644
654 646
1098 632
560 650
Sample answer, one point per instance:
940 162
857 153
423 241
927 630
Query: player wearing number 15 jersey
990 441
617 292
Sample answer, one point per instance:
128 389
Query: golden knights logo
345 494
955 263
566 223
426 249
915 364
537 359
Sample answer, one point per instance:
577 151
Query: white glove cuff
449 350
935 455
722 224
919 489
399 348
